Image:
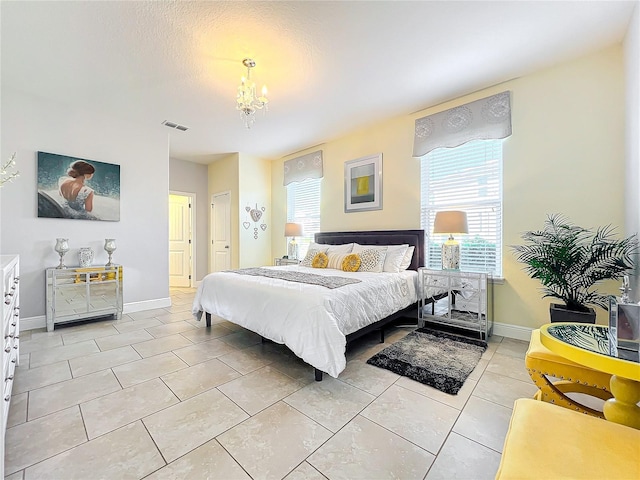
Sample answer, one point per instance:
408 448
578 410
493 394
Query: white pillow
408 256
393 260
311 253
346 248
372 259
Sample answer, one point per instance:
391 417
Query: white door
179 241
221 232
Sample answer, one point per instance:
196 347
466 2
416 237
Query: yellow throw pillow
320 260
351 263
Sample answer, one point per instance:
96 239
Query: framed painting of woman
71 187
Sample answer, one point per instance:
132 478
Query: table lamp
450 222
292 230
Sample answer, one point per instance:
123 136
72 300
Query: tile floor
156 395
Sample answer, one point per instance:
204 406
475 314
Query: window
468 178
303 206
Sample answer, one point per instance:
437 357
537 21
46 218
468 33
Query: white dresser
10 314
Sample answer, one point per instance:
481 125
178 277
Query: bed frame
379 237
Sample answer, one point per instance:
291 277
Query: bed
313 321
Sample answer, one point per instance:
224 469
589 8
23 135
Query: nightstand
79 293
464 300
280 262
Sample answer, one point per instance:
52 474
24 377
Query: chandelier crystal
248 101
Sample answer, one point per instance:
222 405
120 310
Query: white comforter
311 320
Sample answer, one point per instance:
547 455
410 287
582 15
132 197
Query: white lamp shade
451 221
292 229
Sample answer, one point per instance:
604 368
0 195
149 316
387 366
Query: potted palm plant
570 261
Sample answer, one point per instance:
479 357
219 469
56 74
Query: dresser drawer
10 344
8 386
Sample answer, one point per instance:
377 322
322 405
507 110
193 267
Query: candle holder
624 289
110 247
62 247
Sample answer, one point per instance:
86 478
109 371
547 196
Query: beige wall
632 135
223 177
248 178
255 191
566 155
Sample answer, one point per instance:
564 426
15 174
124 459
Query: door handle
226 246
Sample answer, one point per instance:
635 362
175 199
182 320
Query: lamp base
61 265
292 250
451 255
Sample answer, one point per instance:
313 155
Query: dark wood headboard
380 237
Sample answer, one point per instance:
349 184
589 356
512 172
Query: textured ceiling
330 66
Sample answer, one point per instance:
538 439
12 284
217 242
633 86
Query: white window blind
303 206
468 178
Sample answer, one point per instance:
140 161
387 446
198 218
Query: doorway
220 232
181 239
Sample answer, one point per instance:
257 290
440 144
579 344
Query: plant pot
559 313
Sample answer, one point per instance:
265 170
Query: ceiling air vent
177 126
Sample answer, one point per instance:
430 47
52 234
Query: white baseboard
40 321
31 323
512 331
146 305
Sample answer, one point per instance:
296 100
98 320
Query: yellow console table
588 345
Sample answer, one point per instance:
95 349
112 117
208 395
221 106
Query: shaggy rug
438 359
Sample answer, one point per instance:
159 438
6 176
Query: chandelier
248 101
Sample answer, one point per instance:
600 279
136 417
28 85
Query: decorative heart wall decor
255 215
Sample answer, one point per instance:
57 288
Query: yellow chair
547 442
542 363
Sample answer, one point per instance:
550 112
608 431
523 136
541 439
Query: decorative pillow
351 262
395 255
357 248
371 260
344 249
408 256
335 260
308 259
320 260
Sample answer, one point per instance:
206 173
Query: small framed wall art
363 184
71 187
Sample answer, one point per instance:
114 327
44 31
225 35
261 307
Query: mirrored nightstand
462 299
279 262
79 293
